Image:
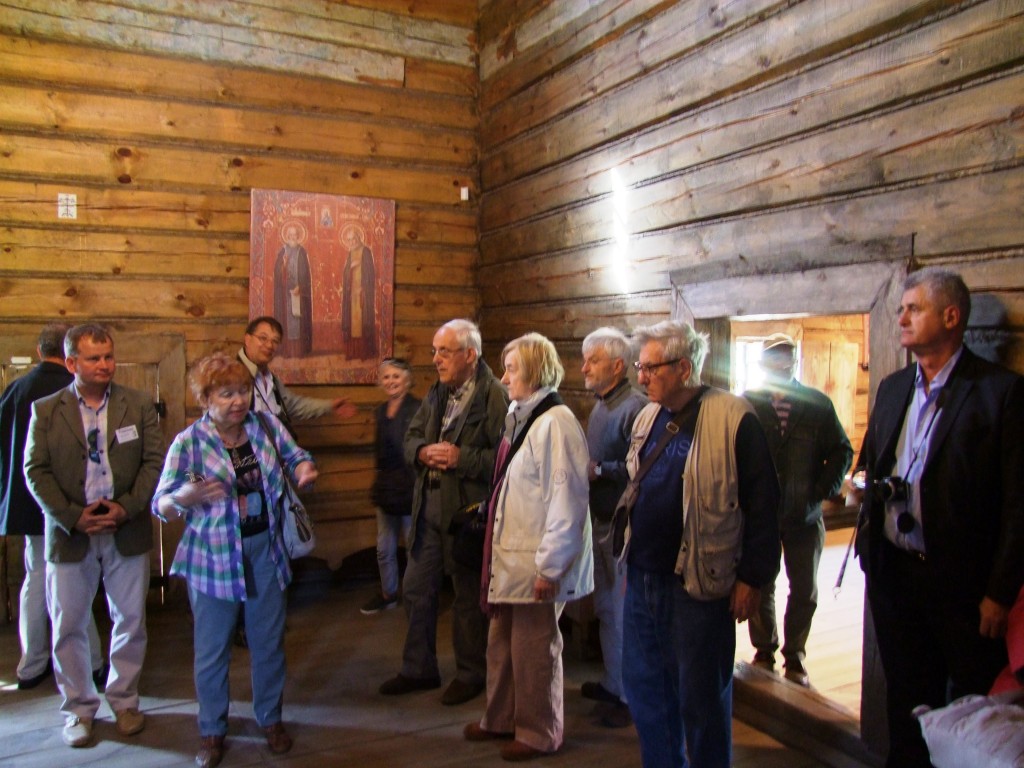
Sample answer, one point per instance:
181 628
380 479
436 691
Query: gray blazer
55 464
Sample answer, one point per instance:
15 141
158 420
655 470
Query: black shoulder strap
671 430
546 404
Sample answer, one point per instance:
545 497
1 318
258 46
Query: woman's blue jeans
215 619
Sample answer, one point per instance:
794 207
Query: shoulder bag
296 525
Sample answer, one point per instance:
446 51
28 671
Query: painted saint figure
359 283
293 304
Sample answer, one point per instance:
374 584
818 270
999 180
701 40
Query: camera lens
905 523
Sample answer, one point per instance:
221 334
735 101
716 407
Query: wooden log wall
622 140
161 116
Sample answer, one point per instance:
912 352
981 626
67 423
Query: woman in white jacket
537 554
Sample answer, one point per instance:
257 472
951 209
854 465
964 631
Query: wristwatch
597 469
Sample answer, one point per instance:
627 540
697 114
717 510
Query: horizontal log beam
902 69
755 55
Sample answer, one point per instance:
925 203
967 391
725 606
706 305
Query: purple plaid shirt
209 555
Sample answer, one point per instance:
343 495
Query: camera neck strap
919 444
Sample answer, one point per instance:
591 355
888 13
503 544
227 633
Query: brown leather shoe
473 732
459 692
517 752
278 739
211 751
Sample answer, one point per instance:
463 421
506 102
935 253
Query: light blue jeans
609 597
215 619
389 528
677 661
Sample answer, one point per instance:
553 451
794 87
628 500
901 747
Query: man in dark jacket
452 442
812 455
945 512
20 514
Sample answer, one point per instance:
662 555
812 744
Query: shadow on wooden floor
336 660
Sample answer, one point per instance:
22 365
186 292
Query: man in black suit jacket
945 550
20 514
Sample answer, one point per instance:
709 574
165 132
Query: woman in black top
394 480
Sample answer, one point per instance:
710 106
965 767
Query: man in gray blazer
21 516
92 461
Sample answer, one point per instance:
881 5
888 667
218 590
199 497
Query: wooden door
831 366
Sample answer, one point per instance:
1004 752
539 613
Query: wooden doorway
713 295
832 358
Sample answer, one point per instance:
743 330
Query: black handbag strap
280 462
546 404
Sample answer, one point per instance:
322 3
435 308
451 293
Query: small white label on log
465 193
67 205
21 360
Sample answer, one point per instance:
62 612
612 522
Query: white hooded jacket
542 520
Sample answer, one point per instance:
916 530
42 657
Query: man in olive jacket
812 455
92 461
452 442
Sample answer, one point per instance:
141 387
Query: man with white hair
700 540
452 441
606 354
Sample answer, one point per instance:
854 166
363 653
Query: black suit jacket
19 513
972 488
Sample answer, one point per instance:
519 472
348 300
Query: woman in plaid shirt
223 477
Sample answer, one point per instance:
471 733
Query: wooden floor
835 645
337 658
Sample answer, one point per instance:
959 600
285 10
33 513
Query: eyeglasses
271 340
648 368
443 352
93 439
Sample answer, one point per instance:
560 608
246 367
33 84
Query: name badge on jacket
127 434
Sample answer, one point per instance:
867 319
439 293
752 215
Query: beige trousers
524 674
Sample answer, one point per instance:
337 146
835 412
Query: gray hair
945 287
611 340
467 334
678 340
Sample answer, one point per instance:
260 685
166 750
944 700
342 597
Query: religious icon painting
324 266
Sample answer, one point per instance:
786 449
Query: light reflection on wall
621 266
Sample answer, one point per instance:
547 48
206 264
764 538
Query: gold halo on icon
349 228
299 227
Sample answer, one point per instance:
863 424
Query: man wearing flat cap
812 455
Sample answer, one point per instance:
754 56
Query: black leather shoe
29 683
597 692
459 692
400 684
99 677
796 673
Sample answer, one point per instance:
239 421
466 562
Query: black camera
891 489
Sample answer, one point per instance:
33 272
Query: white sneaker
77 730
129 721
